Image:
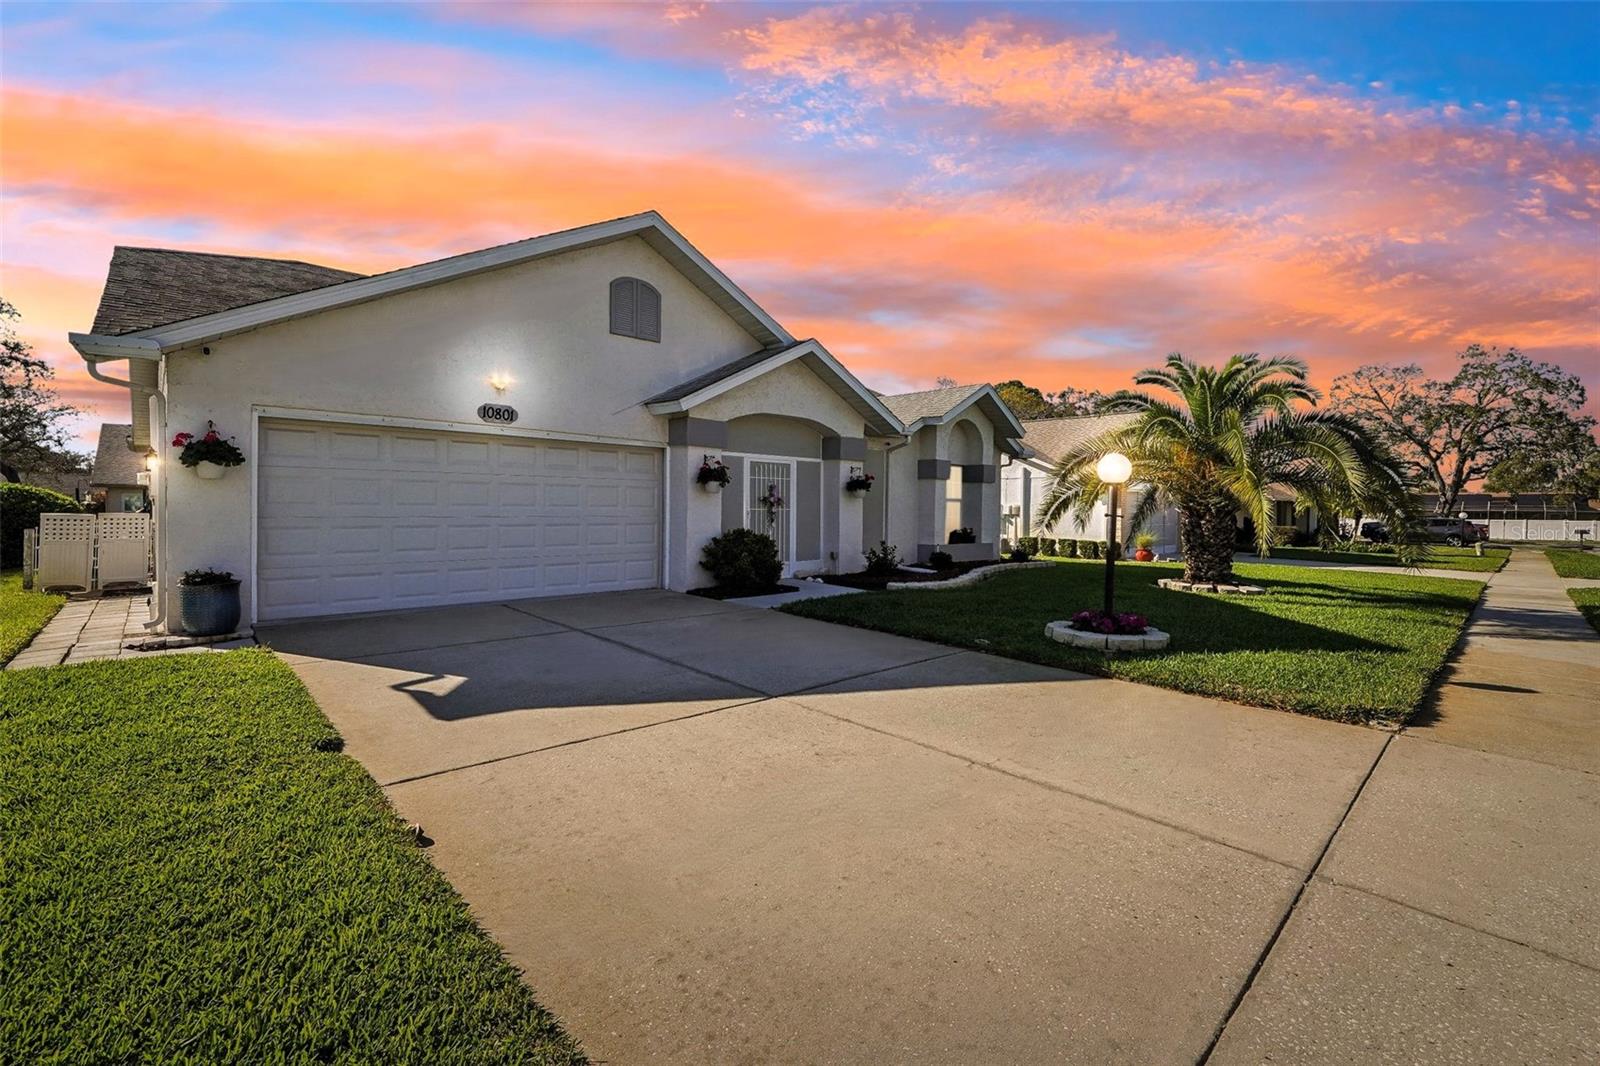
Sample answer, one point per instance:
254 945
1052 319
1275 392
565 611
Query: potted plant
208 455
208 603
714 474
964 535
858 482
1144 545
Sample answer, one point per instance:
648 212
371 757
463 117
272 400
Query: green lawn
187 876
1588 601
22 613
1440 557
1570 562
1338 644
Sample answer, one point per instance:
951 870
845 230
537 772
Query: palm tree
1235 433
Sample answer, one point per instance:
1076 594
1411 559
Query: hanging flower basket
858 482
714 474
209 455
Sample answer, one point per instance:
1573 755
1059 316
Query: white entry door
767 477
359 518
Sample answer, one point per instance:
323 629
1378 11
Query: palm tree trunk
1207 530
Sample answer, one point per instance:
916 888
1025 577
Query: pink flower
181 439
211 436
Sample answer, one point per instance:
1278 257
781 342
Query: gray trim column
933 469
847 449
697 432
979 473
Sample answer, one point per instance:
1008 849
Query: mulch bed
715 593
863 580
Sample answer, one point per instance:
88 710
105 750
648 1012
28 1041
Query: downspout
888 483
158 416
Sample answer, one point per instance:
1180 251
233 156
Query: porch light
152 459
499 382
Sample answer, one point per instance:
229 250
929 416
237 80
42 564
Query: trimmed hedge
742 559
20 508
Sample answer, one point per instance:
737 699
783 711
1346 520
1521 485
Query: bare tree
1452 432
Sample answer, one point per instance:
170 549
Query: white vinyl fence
85 551
1541 528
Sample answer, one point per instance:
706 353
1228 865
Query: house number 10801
498 413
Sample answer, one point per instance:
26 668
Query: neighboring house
525 420
1025 482
119 467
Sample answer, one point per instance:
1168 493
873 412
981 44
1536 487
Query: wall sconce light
151 460
499 382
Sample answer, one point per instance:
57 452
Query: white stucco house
526 420
1025 481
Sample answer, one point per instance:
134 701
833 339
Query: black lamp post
1114 469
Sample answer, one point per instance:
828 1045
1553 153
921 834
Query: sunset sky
1057 193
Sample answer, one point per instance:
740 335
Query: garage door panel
359 519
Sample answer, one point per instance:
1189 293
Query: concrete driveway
710 834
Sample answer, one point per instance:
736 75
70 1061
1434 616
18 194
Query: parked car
1442 529
1376 532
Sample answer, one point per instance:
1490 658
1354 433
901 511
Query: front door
770 480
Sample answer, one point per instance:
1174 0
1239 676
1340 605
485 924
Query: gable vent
635 309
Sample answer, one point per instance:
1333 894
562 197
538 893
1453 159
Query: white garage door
353 518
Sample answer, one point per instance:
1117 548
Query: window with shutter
635 309
622 302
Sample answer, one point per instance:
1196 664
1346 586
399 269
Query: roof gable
649 226
938 406
731 375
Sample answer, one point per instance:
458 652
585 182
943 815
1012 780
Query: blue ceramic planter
208 610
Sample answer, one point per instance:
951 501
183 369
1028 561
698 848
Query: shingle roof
148 287
1054 437
717 373
115 463
908 407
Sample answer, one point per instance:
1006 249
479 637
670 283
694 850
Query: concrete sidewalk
1456 914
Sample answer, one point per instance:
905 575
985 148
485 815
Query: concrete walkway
1397 571
96 626
1455 916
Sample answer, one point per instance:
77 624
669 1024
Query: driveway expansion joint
1294 905
1052 786
1324 879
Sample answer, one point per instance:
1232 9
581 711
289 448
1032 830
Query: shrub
884 559
20 508
1020 555
941 560
1047 546
964 535
742 559
1029 545
1114 551
1069 549
1092 547
1145 541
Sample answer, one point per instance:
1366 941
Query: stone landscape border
1179 585
1149 640
971 577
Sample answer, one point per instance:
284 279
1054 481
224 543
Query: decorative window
635 309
